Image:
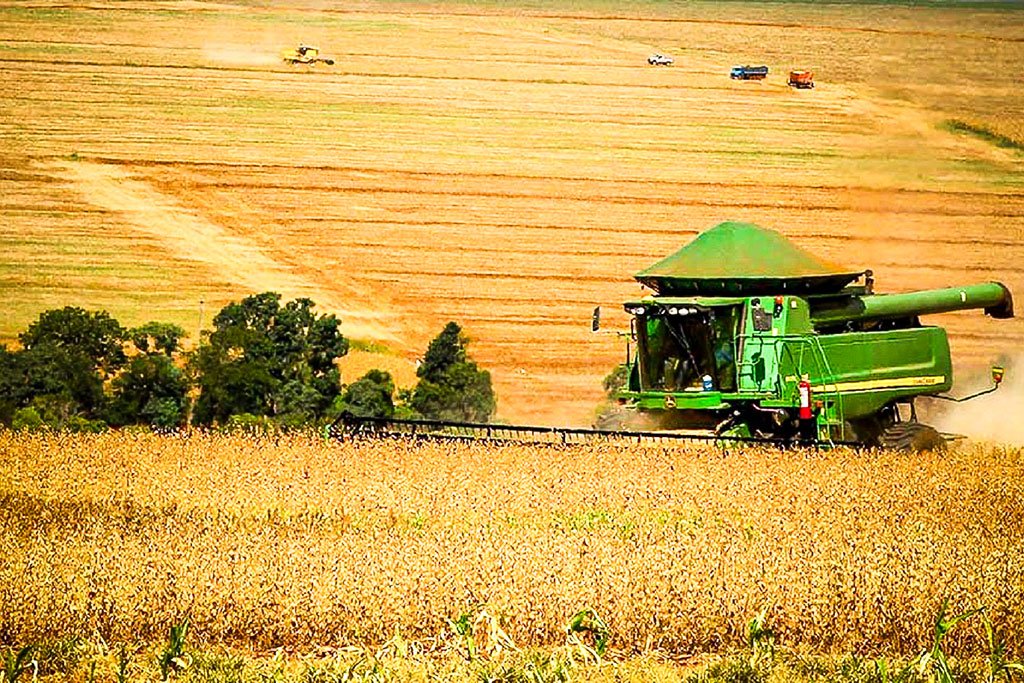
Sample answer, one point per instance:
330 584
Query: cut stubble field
507 168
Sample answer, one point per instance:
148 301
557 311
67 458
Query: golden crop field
507 166
294 542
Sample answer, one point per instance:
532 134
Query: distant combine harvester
305 54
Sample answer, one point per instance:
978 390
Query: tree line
263 363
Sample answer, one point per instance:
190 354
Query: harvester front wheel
911 436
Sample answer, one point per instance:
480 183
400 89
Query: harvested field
505 167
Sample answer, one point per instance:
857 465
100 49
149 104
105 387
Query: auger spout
993 297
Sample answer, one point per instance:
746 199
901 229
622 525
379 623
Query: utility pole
193 392
199 332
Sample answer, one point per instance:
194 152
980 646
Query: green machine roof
742 258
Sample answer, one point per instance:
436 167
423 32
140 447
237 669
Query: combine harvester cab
749 336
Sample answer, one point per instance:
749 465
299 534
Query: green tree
372 395
157 337
67 354
27 419
152 390
12 380
265 359
297 403
451 386
92 335
60 381
229 386
70 356
444 352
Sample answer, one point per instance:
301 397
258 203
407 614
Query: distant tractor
305 54
660 60
801 79
748 73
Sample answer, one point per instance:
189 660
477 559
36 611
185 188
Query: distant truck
748 73
659 60
801 79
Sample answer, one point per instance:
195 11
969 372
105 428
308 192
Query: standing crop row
292 541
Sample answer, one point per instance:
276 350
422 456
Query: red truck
801 79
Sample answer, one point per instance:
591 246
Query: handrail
815 343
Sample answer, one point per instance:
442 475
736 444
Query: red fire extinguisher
804 388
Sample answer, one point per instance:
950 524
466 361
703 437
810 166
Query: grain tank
748 335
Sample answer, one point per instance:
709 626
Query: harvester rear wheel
911 436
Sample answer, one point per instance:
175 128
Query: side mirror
595 321
997 375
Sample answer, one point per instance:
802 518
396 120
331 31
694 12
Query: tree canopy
164 338
372 395
67 354
93 335
152 390
265 359
451 386
263 363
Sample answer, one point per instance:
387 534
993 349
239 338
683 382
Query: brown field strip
508 168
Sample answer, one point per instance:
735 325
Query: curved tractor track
233 256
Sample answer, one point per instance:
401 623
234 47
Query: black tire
911 436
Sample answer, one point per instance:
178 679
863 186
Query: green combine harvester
750 336
746 337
